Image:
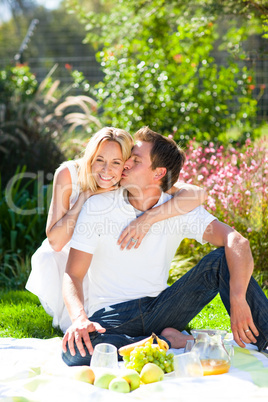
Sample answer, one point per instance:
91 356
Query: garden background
195 70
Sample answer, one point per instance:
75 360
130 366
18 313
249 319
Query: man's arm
77 266
240 264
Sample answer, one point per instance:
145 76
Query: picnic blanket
32 370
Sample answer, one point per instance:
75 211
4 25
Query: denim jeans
174 307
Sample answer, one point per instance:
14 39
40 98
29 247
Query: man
128 296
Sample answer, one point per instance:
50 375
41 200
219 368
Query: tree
56 34
18 8
158 57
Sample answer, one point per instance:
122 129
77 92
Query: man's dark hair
164 153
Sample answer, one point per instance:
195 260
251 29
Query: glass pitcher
210 348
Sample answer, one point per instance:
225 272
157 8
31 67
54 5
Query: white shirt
117 275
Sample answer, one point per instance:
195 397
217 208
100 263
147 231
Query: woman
99 170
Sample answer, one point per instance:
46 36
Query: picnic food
119 384
151 373
104 379
85 373
149 353
127 381
126 350
132 377
161 343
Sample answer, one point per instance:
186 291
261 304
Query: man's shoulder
199 213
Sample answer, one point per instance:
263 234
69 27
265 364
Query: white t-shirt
117 275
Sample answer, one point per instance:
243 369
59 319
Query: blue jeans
174 307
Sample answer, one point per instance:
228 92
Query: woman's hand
133 234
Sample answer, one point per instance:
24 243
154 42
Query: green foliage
22 316
14 270
265 26
57 34
33 120
28 128
179 266
23 211
18 83
160 69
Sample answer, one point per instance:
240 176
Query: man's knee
216 257
77 359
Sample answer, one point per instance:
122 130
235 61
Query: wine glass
105 356
187 365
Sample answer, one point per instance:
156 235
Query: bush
160 66
236 181
33 120
28 134
22 228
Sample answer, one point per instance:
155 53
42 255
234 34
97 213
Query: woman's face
108 164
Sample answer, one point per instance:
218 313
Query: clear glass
209 346
104 355
189 345
187 365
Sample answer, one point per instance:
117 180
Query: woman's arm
186 197
61 219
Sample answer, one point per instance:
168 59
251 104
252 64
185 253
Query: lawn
22 316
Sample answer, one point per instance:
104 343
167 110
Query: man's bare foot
175 337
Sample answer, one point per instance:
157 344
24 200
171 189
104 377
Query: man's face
138 174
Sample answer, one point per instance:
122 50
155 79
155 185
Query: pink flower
234 159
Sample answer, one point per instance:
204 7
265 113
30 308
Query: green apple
103 380
118 384
85 373
151 373
132 377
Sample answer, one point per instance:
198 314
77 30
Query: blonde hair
123 138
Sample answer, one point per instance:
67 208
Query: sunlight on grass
214 315
22 316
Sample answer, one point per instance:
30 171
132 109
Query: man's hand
79 330
243 327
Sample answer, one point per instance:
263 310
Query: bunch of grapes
149 353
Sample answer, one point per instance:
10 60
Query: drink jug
209 346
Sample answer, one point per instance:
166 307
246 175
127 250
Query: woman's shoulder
63 174
68 171
70 165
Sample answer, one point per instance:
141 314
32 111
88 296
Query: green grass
213 316
22 316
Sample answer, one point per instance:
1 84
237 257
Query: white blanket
32 370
